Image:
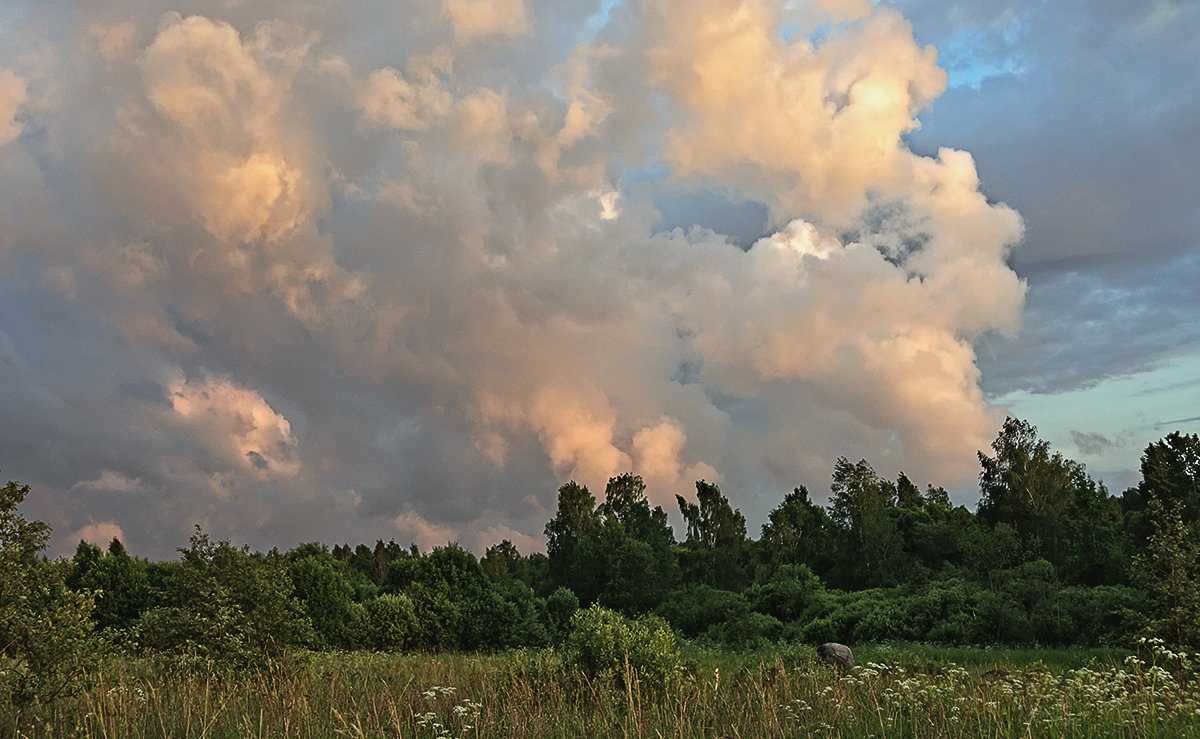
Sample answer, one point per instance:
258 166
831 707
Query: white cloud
237 425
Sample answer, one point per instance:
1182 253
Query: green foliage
745 629
1059 513
694 609
619 554
603 642
456 605
224 608
1045 560
1171 473
716 539
1168 571
503 562
798 531
47 642
787 594
120 582
575 518
391 623
561 606
323 586
531 627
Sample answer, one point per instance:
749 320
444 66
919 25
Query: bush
47 642
561 606
391 622
746 629
604 643
696 608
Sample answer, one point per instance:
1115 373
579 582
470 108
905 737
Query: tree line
1048 556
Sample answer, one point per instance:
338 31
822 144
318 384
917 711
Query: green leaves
224 608
47 642
602 642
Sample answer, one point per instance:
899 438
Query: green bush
694 609
561 606
746 629
604 643
391 622
47 642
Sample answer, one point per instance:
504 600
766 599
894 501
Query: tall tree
798 531
226 607
1171 473
636 546
575 518
1169 572
716 539
857 490
120 582
503 562
1027 486
862 504
625 500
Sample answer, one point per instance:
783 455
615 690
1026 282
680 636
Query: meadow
894 690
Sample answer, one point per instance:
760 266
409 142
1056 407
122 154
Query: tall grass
900 691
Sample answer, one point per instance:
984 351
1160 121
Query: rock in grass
836 654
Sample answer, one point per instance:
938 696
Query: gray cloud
1090 442
1084 118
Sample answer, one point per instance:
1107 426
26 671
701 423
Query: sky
310 271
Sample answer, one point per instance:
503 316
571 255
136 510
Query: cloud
100 533
110 481
1091 443
237 425
413 258
424 534
472 19
12 96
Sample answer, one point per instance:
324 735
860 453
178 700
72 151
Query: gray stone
836 654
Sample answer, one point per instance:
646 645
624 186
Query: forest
1048 558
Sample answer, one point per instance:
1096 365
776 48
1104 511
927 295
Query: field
894 690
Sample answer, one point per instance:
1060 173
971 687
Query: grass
895 690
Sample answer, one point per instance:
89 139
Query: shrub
746 629
695 608
604 643
47 642
561 606
391 622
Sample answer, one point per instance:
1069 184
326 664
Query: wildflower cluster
464 715
1153 692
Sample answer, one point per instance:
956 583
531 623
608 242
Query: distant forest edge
1049 557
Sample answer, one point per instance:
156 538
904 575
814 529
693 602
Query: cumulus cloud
432 273
236 424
